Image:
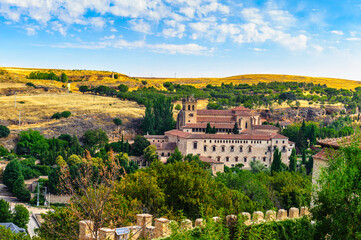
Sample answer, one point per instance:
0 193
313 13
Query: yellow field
96 78
39 108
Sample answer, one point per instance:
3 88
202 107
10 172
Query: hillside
96 78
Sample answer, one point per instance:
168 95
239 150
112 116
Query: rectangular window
245 159
232 148
195 145
214 148
205 148
223 148
227 159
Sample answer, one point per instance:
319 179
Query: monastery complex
253 142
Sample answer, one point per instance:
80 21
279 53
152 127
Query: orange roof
214 112
231 136
270 127
177 133
204 125
215 119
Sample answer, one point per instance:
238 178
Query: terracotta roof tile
241 108
204 125
177 133
270 127
209 160
166 146
214 112
155 136
215 119
231 136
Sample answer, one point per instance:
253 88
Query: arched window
240 148
232 148
227 159
236 159
249 148
246 125
214 148
189 107
223 148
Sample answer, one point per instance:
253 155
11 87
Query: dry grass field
96 78
37 109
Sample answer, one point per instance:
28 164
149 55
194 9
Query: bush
66 114
117 121
178 107
84 89
4 131
56 116
29 84
123 88
21 216
3 151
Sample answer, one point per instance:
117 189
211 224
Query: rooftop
14 228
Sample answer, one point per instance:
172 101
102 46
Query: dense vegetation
48 76
261 94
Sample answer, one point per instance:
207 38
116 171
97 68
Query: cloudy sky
189 38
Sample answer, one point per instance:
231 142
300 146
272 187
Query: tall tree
5 211
276 165
148 123
21 216
309 165
293 161
235 129
312 135
11 173
301 141
140 143
303 157
208 128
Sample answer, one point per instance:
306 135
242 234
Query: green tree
117 121
309 165
12 172
64 78
312 135
235 129
5 211
20 191
31 142
303 156
337 201
123 88
84 89
60 161
74 160
301 141
4 131
6 233
276 165
293 161
148 123
178 107
150 154
3 151
140 143
257 166
95 139
209 128
21 216
175 157
66 114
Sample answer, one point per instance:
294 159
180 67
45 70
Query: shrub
3 151
4 131
84 89
56 116
66 114
29 84
123 88
117 121
178 107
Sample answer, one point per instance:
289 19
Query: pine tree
148 121
208 128
235 129
277 162
301 140
293 161
122 144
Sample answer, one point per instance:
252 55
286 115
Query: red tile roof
270 127
214 112
241 108
279 136
204 125
231 136
177 133
325 154
155 136
166 146
215 119
333 142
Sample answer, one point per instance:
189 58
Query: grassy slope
96 78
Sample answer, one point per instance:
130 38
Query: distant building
14 228
254 141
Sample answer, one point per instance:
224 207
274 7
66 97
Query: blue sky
189 38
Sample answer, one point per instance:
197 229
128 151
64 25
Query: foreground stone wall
145 229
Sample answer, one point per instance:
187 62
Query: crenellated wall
145 229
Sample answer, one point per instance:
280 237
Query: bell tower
190 109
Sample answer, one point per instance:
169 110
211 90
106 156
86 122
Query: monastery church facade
254 141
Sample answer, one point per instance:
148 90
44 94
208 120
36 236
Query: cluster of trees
211 130
14 180
48 76
19 215
158 116
306 134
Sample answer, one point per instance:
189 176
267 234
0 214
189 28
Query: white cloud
185 49
97 22
140 26
353 39
336 32
58 27
113 30
31 31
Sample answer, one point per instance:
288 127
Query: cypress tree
148 121
309 165
301 141
214 130
312 136
208 128
235 129
276 163
303 157
293 161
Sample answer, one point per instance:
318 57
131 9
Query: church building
253 141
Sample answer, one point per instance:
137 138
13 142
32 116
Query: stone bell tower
190 109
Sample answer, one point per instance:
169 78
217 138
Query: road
6 195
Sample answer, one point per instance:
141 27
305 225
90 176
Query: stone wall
145 229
